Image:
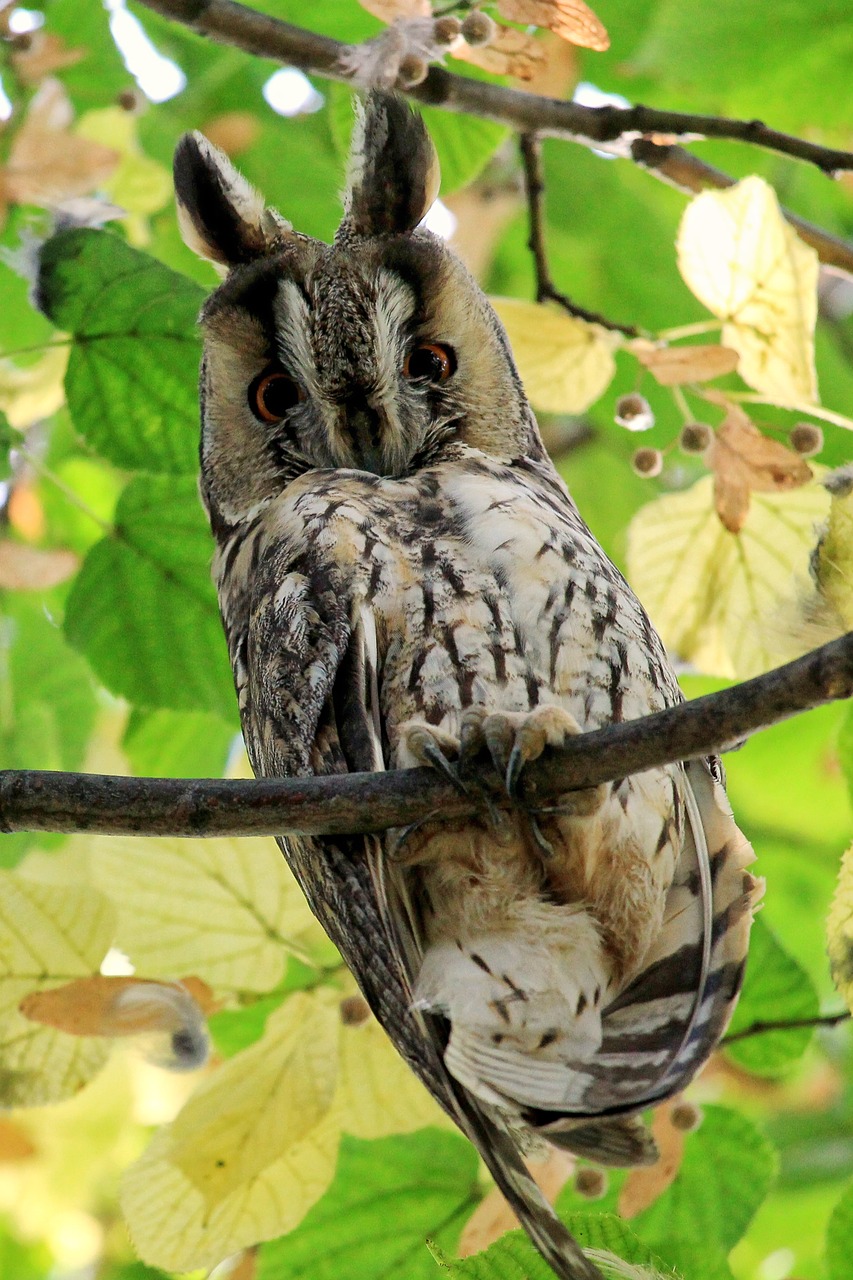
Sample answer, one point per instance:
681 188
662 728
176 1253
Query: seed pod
806 439
354 1011
695 437
647 462
685 1116
478 28
634 412
445 30
413 70
591 1183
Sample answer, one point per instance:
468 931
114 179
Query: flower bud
695 437
478 28
634 412
591 1183
806 439
647 462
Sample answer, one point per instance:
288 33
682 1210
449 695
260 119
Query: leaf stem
690 330
810 410
785 1024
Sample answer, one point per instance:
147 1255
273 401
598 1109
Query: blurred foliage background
111 659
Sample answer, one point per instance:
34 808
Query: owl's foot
424 744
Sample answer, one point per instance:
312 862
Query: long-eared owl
404 579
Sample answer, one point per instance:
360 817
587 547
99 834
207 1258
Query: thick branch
356 803
267 37
534 186
684 171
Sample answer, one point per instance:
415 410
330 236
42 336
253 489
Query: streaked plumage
399 566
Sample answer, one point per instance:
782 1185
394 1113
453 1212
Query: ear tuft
221 215
394 171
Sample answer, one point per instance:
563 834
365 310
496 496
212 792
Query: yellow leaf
48 933
139 185
839 931
715 595
250 1153
564 363
35 391
226 910
378 1094
748 266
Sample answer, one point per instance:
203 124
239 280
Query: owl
404 580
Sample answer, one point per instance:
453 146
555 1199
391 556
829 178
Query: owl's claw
432 747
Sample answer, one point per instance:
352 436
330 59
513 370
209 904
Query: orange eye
273 394
429 362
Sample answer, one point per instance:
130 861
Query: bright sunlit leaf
716 597
250 1153
47 933
378 1094
34 391
565 363
749 267
226 910
139 185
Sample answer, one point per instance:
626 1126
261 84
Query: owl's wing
665 1023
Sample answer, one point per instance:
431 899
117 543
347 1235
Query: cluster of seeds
475 29
634 412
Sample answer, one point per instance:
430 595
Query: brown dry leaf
390 10
493 1217
743 460
15 1143
673 366
511 53
644 1185
572 20
99 1005
24 568
44 54
232 131
48 163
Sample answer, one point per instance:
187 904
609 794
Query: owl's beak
367 428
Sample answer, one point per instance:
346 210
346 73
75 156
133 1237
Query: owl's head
378 352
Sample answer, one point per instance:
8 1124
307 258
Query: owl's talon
513 771
426 745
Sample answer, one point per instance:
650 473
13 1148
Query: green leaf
178 744
839 1238
388 1197
133 371
775 988
47 702
727 1170
143 609
8 438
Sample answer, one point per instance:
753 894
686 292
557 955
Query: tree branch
546 290
784 1024
368 802
621 127
684 171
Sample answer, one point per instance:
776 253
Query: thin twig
534 186
368 802
268 37
785 1024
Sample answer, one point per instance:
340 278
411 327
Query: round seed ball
647 462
